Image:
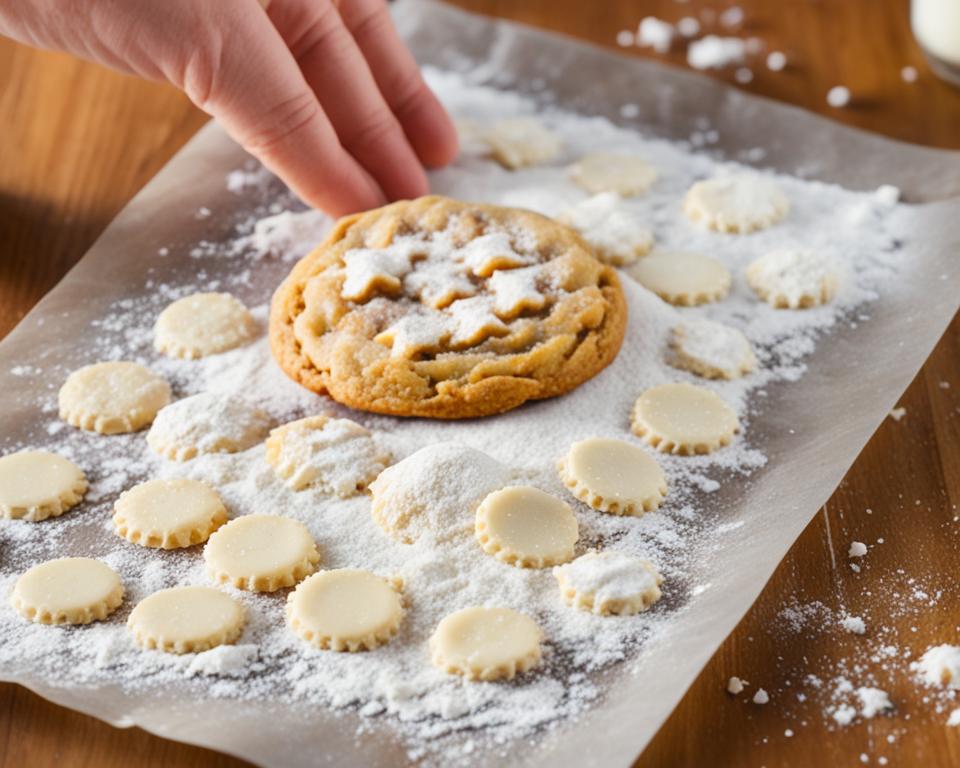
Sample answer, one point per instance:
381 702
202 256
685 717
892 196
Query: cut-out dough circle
613 476
738 203
262 553
168 514
683 279
609 583
792 279
622 173
203 324
526 527
35 485
486 643
186 620
345 610
111 398
711 350
683 419
71 590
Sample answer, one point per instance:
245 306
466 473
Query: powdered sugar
940 666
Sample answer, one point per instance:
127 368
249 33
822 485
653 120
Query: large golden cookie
450 310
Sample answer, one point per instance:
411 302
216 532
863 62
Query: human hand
323 92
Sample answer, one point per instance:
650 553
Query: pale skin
323 92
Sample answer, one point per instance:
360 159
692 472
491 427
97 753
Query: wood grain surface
79 141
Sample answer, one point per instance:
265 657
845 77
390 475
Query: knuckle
279 123
376 129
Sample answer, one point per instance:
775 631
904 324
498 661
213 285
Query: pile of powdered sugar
395 687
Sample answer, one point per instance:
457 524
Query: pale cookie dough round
683 419
335 456
526 527
168 514
434 492
203 324
486 643
613 476
625 174
616 233
345 610
711 350
520 142
444 309
111 398
609 583
793 279
35 485
186 620
207 423
262 553
683 279
71 590
739 203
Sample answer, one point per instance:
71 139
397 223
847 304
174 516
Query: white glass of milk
936 25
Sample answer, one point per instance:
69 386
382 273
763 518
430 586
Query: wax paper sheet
849 388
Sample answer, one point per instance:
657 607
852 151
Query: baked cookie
444 309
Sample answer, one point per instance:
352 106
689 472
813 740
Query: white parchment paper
849 388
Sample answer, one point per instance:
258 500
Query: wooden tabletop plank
79 141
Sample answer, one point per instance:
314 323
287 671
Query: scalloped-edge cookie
711 350
206 423
609 583
616 233
739 203
526 527
203 324
486 644
613 476
445 309
112 398
434 492
336 456
619 172
261 553
35 485
168 514
70 590
186 620
683 419
682 279
346 610
519 142
793 279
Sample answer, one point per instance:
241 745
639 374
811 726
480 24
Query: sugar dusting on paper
395 687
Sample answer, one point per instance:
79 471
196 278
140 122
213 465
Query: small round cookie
332 455
683 279
346 610
111 398
625 174
203 324
186 620
206 423
434 492
683 419
71 590
445 309
35 485
613 476
616 233
168 514
526 527
520 142
486 643
711 350
739 203
262 553
609 583
793 279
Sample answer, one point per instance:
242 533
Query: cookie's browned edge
496 394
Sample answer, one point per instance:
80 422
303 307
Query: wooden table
79 141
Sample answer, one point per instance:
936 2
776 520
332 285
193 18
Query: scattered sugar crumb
954 719
743 75
761 697
857 549
688 26
872 701
853 624
625 38
838 96
898 413
735 685
655 33
776 61
714 52
732 17
909 74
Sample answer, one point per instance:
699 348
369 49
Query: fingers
425 122
338 74
248 79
